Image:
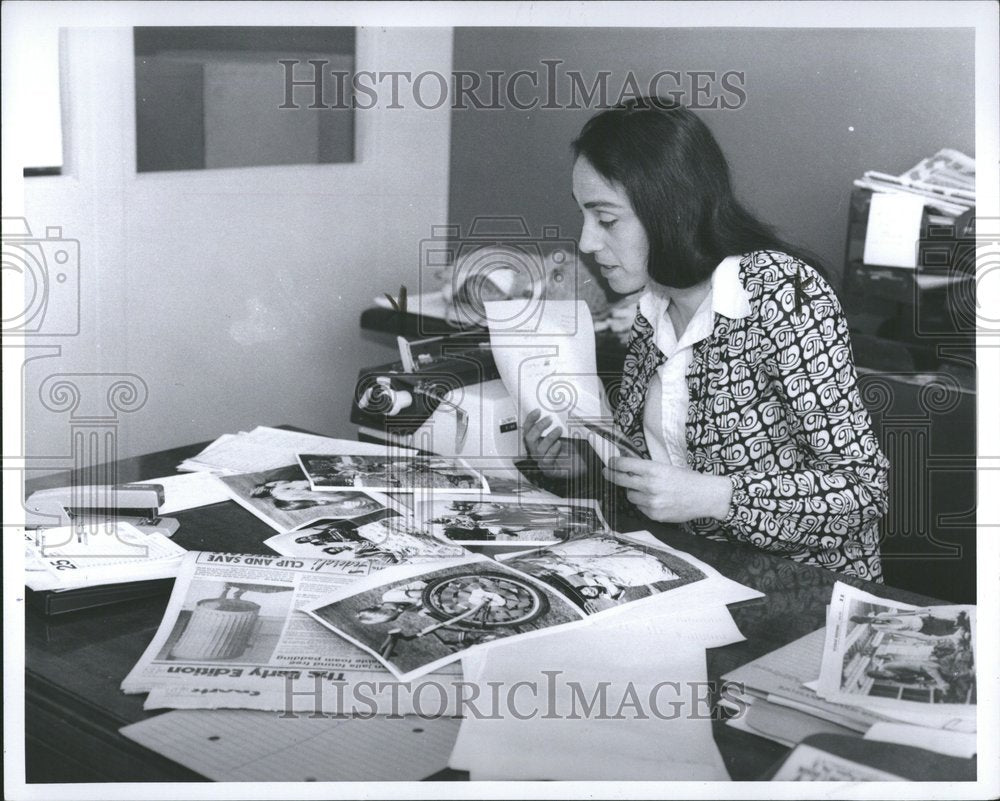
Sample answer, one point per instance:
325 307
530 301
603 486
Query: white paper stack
266 448
945 182
60 559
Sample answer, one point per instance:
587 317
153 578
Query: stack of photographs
507 520
390 473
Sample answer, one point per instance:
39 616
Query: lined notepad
235 745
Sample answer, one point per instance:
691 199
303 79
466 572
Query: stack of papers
372 603
68 558
266 448
945 182
879 677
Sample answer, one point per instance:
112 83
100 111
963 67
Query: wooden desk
75 662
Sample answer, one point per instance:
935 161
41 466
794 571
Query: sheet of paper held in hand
546 356
233 630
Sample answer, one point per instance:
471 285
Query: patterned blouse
774 406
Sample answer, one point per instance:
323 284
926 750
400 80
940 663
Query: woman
739 384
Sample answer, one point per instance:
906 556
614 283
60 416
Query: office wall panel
821 107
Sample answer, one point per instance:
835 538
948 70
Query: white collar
729 298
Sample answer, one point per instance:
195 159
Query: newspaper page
283 499
891 657
234 631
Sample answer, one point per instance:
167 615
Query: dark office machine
913 334
443 396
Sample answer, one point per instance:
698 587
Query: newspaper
233 634
283 499
893 657
417 618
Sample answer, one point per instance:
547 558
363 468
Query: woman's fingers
548 439
639 467
550 456
627 480
640 499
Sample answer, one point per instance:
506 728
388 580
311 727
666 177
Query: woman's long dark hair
677 179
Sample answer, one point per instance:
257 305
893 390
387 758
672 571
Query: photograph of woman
739 385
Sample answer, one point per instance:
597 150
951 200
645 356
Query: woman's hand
556 458
671 494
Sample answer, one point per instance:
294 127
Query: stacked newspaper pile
880 669
946 182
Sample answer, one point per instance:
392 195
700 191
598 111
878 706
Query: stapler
87 505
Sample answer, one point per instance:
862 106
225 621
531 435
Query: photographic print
890 655
229 622
382 538
424 619
606 570
284 500
508 521
391 473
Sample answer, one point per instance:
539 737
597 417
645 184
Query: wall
234 295
822 107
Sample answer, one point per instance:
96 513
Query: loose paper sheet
916 664
893 230
215 744
188 491
654 724
809 764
